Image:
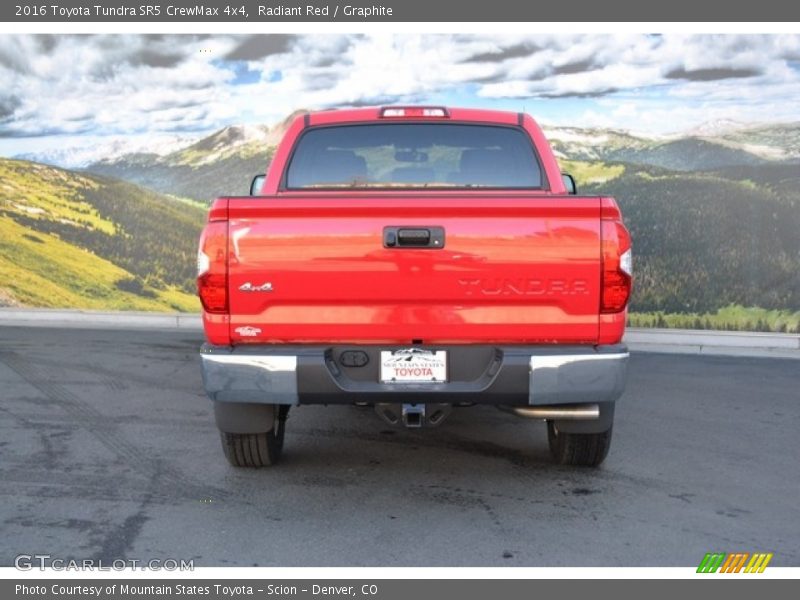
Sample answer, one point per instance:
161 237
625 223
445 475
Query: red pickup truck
415 259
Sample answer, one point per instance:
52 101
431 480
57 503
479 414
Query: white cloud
129 84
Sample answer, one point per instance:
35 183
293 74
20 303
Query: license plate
413 365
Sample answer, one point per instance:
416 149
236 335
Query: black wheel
256 449
579 449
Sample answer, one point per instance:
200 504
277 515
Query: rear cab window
414 155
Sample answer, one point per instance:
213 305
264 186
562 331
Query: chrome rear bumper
521 376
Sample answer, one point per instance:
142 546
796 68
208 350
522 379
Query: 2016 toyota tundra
416 259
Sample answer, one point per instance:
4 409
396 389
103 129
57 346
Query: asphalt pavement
108 450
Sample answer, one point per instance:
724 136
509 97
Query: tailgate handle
413 237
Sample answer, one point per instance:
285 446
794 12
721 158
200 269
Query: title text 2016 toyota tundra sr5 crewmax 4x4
415 259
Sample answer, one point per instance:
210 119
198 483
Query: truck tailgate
317 268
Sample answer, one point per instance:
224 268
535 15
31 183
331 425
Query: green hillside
703 241
84 241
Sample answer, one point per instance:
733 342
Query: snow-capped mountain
221 163
82 155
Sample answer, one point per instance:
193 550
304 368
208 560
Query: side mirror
257 184
569 183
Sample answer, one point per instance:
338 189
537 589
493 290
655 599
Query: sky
66 90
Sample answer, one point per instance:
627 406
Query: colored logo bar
735 562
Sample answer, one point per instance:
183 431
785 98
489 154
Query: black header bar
396 11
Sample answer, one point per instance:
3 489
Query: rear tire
256 450
578 449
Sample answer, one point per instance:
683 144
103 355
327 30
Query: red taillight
212 267
617 266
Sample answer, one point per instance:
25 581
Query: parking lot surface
108 450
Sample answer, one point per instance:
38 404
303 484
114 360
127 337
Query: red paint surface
518 266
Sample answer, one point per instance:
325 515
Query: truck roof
376 113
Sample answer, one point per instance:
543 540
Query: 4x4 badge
248 331
249 287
